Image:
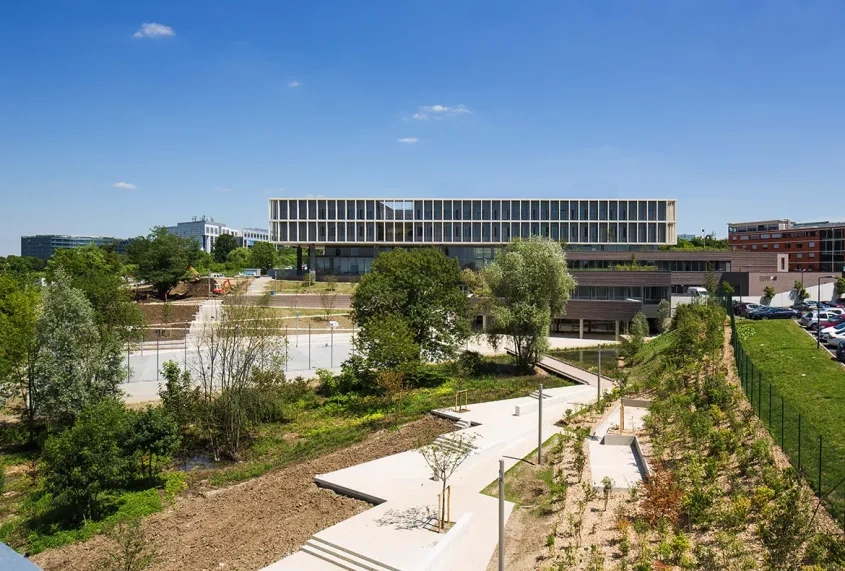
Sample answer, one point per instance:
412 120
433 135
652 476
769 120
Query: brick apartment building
812 246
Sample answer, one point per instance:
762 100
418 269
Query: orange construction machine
224 289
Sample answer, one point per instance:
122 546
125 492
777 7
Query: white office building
206 231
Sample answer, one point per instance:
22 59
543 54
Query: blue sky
734 108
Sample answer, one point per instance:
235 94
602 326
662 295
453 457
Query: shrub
785 525
153 436
662 497
768 292
85 461
178 398
470 363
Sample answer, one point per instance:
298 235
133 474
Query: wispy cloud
407 140
439 111
153 30
294 84
124 185
222 189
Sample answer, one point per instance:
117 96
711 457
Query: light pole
128 347
818 311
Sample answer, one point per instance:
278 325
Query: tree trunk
443 521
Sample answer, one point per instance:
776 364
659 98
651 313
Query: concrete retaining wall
528 408
634 443
445 545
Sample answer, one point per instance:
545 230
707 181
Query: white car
813 317
827 331
836 310
836 338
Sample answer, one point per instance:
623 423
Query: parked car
745 307
836 320
835 339
836 310
827 331
775 313
813 317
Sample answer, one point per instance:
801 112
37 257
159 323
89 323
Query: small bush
470 363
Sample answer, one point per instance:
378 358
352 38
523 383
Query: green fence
817 457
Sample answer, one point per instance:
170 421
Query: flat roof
459 198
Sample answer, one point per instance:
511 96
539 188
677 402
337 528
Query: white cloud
153 30
439 111
293 84
124 185
222 189
407 140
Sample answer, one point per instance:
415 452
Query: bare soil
173 319
255 523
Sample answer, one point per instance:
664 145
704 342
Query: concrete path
397 533
259 286
617 461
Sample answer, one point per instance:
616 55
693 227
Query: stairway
463 423
342 557
454 443
536 395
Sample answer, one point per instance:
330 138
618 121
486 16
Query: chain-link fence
814 453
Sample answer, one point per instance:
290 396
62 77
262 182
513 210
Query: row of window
589 232
447 210
644 294
775 236
775 246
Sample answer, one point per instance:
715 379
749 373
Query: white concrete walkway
396 534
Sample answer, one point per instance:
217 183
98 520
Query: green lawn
791 379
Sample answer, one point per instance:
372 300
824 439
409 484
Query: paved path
396 534
259 286
577 374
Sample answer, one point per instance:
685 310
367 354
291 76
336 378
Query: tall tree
239 257
224 244
423 286
20 302
99 276
76 367
163 258
529 283
263 255
388 344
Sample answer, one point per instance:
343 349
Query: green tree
100 277
20 304
154 437
727 288
800 292
388 344
710 281
75 367
85 462
840 286
224 244
768 293
178 397
239 258
263 255
423 286
163 258
638 331
529 283
664 314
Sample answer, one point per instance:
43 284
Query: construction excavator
223 289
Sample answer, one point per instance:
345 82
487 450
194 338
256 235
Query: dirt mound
253 524
199 288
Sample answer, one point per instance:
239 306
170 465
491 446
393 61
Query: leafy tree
86 461
239 258
529 283
163 258
154 437
840 286
710 280
75 368
21 264
224 244
20 303
177 396
800 292
444 458
328 299
768 293
388 344
638 332
727 288
262 255
100 277
286 256
132 551
423 286
664 314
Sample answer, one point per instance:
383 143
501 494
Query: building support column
484 322
581 328
299 260
312 258
617 330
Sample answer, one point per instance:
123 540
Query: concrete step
461 424
536 395
449 442
342 557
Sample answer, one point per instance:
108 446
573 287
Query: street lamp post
818 311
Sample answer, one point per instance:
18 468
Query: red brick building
813 246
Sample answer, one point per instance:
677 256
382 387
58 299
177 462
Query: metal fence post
781 425
309 345
799 442
820 465
759 395
501 515
770 404
540 427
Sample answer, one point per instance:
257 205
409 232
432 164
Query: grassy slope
809 380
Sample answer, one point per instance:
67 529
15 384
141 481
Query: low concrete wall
634 443
445 545
637 403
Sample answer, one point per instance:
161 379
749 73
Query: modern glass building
43 246
351 232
